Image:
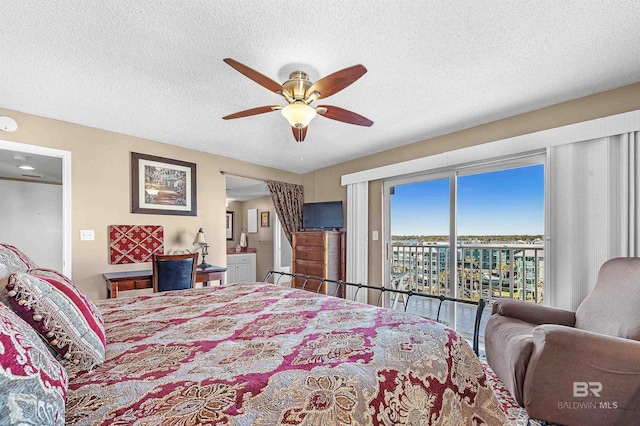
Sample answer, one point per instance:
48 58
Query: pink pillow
51 273
33 383
60 313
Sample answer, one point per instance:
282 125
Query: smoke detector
8 124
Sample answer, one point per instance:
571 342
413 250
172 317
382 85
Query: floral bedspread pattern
260 354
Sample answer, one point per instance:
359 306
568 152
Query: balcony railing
490 271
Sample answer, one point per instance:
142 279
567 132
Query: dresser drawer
310 239
307 267
308 253
235 259
318 254
134 284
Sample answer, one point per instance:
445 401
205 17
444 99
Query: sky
504 202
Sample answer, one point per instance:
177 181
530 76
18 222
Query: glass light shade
298 114
200 240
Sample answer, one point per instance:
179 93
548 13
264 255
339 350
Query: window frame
452 173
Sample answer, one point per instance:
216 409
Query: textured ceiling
154 69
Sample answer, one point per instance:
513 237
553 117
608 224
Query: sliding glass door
501 233
419 247
468 233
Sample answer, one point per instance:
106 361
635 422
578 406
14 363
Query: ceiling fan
299 93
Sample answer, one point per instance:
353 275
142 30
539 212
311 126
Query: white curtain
592 215
357 241
630 176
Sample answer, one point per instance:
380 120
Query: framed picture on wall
162 186
230 225
264 219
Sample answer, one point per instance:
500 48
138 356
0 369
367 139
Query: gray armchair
579 368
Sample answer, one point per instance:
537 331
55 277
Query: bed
261 354
242 354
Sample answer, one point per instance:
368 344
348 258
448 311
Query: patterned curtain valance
288 199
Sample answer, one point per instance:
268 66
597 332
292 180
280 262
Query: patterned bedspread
259 354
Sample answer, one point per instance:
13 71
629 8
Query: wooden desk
135 280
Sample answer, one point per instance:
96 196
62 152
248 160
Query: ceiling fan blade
340 114
254 75
252 111
333 83
299 133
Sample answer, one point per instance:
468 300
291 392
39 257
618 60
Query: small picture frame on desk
264 219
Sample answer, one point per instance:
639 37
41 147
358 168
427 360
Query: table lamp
201 242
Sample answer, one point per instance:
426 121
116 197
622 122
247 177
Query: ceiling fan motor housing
297 85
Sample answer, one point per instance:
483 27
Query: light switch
375 236
87 235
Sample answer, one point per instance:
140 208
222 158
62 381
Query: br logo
583 389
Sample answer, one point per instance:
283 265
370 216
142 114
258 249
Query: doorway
48 186
273 250
282 253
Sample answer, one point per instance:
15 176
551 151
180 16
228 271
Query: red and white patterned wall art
134 243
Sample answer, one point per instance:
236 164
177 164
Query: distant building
490 269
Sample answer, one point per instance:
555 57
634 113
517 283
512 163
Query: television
324 215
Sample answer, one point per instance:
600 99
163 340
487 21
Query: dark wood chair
174 271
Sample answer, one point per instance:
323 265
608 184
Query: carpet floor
516 414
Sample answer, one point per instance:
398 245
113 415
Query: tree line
479 238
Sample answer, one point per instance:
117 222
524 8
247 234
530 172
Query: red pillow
51 273
62 314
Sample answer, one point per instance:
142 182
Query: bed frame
480 304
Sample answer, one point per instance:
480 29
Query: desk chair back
174 271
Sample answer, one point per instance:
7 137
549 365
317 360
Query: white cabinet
241 268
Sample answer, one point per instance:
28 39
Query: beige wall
101 187
100 177
324 184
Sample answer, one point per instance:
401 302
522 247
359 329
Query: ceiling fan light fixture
300 93
298 114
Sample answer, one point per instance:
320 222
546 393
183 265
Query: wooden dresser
319 254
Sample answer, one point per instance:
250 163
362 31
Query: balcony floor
465 314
